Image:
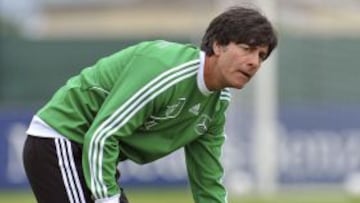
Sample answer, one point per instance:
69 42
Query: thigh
53 167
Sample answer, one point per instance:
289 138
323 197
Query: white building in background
136 18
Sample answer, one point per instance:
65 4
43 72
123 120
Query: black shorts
54 169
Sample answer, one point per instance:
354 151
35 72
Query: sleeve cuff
112 199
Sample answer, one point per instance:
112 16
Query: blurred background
294 130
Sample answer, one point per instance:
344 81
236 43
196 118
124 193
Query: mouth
247 75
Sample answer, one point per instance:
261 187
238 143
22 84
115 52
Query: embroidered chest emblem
172 110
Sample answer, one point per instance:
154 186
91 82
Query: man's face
238 63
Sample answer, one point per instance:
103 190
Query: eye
262 56
245 47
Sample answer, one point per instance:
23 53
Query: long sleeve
204 166
137 93
101 144
129 103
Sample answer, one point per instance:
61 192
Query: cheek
236 60
230 62
234 65
229 67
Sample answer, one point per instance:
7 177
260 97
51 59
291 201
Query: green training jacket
143 103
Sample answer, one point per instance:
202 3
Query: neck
210 74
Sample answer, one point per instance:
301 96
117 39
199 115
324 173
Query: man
143 103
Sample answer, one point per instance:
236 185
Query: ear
217 48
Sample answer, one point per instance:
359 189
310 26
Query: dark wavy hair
239 25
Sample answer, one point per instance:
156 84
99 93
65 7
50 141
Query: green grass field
184 196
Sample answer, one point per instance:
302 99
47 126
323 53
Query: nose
254 61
